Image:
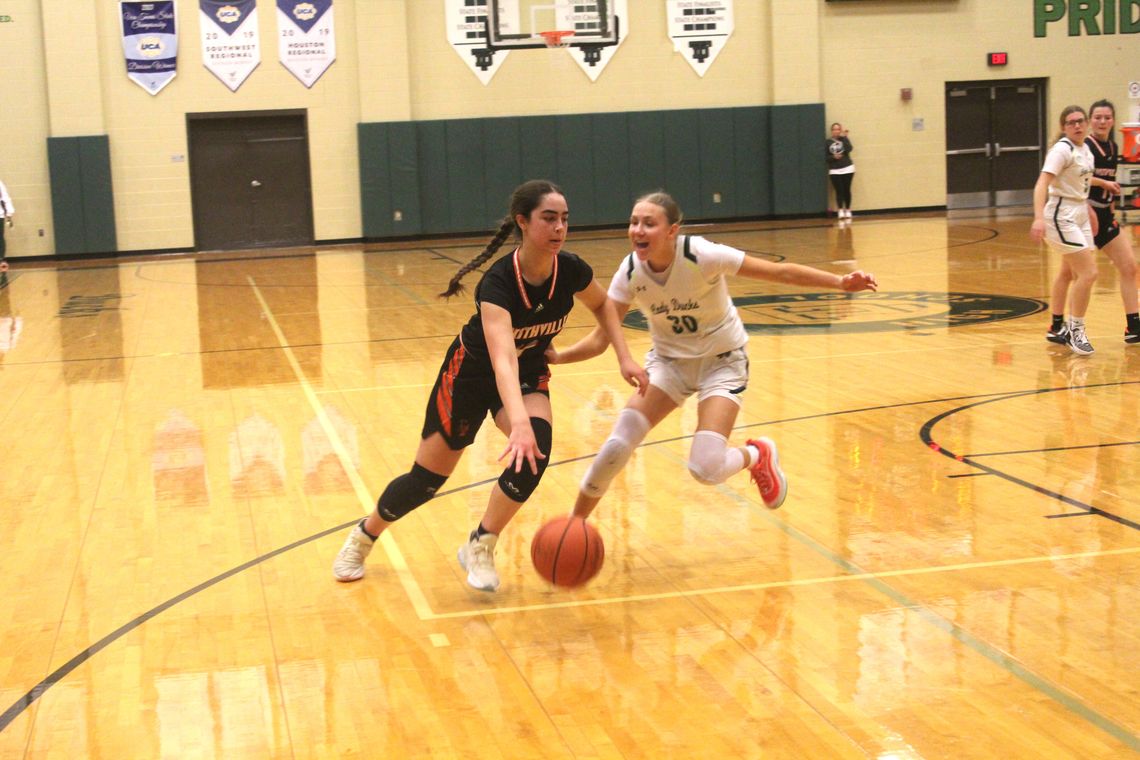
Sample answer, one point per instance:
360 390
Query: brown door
994 142
249 178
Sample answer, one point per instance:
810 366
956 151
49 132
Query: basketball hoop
556 38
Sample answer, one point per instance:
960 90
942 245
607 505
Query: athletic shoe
477 557
1132 336
349 563
767 475
1059 336
1078 342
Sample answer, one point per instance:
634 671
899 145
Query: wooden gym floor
954 574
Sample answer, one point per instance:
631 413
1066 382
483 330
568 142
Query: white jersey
689 311
1073 167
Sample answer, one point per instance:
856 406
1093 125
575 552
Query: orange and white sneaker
767 475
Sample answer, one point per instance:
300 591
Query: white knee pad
710 459
629 431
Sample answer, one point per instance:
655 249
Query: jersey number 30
683 324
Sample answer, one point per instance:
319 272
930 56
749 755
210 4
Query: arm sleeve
716 259
583 273
619 284
494 288
1057 158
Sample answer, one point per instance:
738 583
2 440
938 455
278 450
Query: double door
995 142
249 178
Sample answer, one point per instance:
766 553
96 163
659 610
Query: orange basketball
567 551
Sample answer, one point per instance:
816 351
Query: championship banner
307 41
592 64
150 44
468 37
231 47
699 29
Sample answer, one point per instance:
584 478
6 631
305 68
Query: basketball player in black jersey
1104 189
497 365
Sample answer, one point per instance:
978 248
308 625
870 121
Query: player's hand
859 280
551 354
522 447
1037 230
635 376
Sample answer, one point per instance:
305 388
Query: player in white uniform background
1061 218
679 283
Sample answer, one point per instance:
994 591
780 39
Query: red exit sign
997 59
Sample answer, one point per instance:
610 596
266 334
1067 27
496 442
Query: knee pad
629 431
518 486
710 459
407 492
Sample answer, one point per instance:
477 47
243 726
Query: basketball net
557 38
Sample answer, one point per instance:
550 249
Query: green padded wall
82 200
455 175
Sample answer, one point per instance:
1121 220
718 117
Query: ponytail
455 286
524 200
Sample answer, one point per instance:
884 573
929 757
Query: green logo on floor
835 313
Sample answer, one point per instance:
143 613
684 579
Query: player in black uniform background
1103 189
497 365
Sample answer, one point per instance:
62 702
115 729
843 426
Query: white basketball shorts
1067 227
718 375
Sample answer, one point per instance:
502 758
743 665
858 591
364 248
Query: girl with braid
497 365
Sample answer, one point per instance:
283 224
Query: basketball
567 551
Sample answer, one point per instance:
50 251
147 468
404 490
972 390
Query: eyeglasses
1074 122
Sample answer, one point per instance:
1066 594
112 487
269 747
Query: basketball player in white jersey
679 283
1061 218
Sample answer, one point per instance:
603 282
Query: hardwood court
954 574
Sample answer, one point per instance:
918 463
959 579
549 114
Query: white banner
231 46
150 43
306 43
593 61
699 29
467 35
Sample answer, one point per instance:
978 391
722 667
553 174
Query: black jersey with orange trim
538 312
1105 159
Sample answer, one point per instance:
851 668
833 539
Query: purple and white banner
150 43
306 41
231 46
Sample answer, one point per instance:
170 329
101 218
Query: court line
853 576
396 557
926 435
26 701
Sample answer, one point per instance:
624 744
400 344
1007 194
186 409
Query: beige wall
874 48
61 78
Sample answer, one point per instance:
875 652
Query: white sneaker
1078 341
349 562
477 557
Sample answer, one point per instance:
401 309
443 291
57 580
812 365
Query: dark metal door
994 142
249 177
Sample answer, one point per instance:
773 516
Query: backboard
514 24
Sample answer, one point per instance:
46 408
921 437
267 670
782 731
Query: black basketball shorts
1107 227
465 392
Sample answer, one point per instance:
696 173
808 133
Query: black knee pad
518 486
407 492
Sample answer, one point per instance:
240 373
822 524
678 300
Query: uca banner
306 38
150 44
231 45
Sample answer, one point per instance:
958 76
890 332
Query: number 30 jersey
689 311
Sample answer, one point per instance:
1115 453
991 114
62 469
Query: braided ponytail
525 199
455 286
